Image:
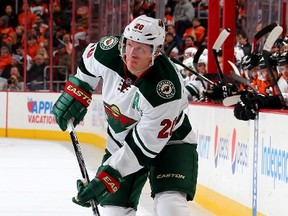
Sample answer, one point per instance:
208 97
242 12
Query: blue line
255 166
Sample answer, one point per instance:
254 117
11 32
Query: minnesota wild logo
108 42
116 120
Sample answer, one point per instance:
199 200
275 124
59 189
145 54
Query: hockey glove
217 92
106 182
72 103
249 104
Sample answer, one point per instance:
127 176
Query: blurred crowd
186 32
33 53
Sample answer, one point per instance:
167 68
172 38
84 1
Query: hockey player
148 132
250 103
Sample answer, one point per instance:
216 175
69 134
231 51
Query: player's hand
217 92
247 107
72 103
249 104
106 182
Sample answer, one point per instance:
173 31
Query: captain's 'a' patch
108 42
165 89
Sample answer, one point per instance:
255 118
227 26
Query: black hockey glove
249 104
217 92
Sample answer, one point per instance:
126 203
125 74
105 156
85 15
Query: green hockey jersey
143 114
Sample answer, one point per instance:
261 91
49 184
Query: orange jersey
265 88
32 50
197 33
4 61
30 19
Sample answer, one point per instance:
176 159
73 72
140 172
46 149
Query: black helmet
250 61
282 59
272 60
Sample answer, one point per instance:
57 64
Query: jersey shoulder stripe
108 54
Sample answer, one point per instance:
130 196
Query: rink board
239 173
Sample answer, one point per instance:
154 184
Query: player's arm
77 95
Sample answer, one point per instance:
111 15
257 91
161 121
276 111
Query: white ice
38 178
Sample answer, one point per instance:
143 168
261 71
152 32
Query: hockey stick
197 56
232 100
200 76
273 36
81 162
215 49
236 77
261 33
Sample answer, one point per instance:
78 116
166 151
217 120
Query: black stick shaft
82 166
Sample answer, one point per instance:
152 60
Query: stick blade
221 38
273 36
230 101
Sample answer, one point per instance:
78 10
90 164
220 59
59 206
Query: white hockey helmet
203 59
144 29
190 51
189 63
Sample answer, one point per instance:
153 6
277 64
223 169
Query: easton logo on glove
78 93
110 183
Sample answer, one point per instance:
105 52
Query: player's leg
173 178
125 201
116 211
171 203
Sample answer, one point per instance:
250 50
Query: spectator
57 36
18 37
43 27
62 58
39 8
29 19
20 52
15 81
176 38
62 15
7 34
168 16
16 62
243 42
169 43
42 51
67 43
189 42
5 58
36 32
33 45
12 17
35 76
197 31
80 34
183 14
